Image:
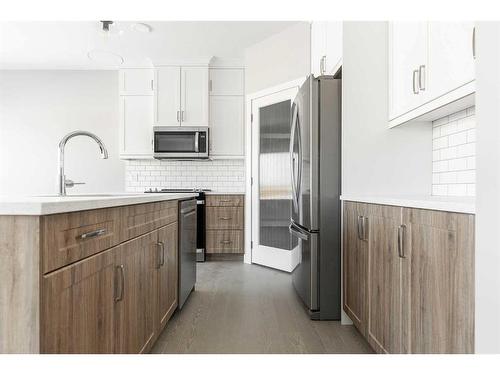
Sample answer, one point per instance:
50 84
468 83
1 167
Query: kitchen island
87 274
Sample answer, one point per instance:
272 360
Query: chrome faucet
63 182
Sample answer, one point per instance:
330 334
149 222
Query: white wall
278 59
487 261
377 160
37 108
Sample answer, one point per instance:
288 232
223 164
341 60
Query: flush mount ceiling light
109 28
105 57
141 27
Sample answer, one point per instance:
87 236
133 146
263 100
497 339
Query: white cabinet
326 47
431 69
451 56
136 81
227 81
407 54
168 96
181 96
226 126
136 126
194 96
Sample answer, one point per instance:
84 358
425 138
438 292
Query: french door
273 245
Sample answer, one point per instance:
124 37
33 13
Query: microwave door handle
196 142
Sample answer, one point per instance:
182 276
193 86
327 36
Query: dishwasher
187 249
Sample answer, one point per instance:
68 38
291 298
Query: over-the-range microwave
180 142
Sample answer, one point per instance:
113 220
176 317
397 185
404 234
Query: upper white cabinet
431 69
194 96
168 96
181 96
227 113
136 81
326 47
226 81
136 113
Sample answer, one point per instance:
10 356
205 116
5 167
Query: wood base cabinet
225 224
419 291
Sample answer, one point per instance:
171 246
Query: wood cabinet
167 273
225 224
385 322
420 278
440 284
135 263
326 47
78 307
431 68
355 264
112 292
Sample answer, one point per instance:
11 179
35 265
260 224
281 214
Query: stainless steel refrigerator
315 157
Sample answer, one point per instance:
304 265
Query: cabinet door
194 96
227 82
168 96
77 307
136 293
167 264
385 278
451 60
407 52
136 81
227 125
440 249
318 46
333 46
136 126
355 262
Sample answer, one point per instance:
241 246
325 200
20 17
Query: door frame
249 215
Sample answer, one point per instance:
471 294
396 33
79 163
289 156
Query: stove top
194 190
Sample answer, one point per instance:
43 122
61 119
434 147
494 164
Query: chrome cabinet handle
364 228
210 85
421 77
122 283
474 42
182 115
225 200
322 65
224 218
415 74
359 227
401 235
160 254
226 242
152 85
94 233
162 244
178 116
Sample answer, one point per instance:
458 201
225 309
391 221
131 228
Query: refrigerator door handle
298 233
292 157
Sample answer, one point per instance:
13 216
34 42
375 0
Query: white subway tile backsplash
217 175
453 155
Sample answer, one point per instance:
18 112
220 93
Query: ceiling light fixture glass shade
141 27
105 58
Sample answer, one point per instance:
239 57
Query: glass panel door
273 245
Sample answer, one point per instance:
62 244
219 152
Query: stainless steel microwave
180 142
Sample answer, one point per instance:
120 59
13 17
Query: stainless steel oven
180 142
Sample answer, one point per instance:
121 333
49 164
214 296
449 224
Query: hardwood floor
241 308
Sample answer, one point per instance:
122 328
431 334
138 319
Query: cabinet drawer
69 237
224 201
142 218
224 217
224 241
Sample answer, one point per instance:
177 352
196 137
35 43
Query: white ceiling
65 45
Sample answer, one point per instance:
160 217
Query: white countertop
224 192
46 205
451 204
